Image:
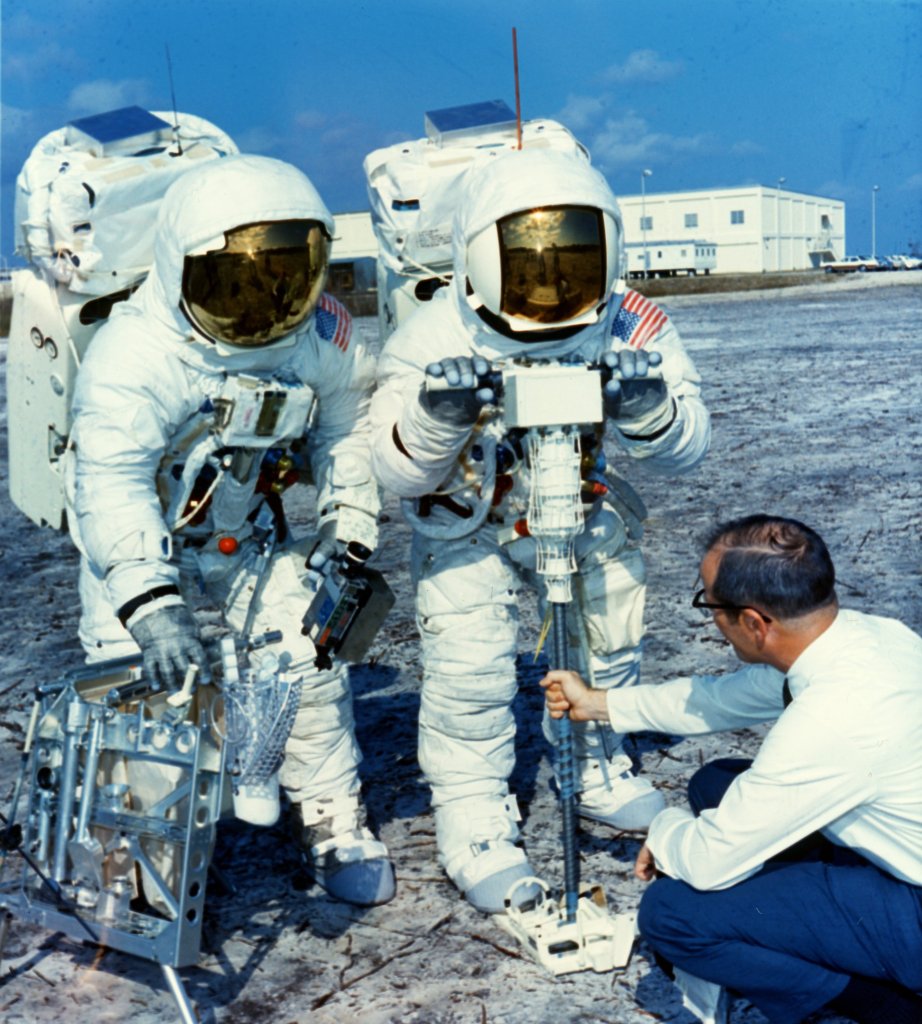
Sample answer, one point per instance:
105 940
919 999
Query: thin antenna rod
518 100
169 70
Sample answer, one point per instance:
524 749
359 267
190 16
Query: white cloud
642 66
104 94
330 149
311 120
338 135
913 183
582 111
30 52
28 63
746 147
258 139
15 119
629 140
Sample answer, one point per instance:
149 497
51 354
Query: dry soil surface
816 415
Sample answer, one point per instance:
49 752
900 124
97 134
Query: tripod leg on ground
187 1011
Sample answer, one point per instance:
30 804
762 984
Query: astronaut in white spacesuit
226 375
538 272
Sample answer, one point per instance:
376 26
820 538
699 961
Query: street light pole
781 181
874 192
643 217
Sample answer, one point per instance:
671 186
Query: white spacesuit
227 374
538 272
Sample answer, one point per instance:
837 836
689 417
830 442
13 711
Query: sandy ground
816 415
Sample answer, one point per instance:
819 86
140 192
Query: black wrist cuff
130 607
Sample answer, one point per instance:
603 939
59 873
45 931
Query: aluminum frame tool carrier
80 847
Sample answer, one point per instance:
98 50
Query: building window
825 221
737 217
646 223
691 220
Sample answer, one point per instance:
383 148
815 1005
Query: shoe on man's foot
615 796
477 848
340 852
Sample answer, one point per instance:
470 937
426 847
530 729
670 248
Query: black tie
786 693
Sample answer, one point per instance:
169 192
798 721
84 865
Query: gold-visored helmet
544 269
257 282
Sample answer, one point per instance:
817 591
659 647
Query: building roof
727 190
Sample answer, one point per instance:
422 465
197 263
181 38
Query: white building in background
353 236
353 256
746 230
754 228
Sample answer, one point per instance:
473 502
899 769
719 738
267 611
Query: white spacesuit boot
467 610
612 794
327 819
477 840
340 852
319 771
609 791
611 599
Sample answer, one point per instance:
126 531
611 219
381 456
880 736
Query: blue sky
706 93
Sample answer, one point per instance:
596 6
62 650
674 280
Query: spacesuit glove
454 391
325 555
631 393
169 641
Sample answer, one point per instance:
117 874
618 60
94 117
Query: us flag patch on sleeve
333 321
638 320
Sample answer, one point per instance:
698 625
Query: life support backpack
413 190
87 200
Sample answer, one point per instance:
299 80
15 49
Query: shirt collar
815 655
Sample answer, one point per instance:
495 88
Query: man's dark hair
773 564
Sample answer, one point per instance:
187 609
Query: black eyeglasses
698 601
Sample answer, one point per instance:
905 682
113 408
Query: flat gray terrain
816 415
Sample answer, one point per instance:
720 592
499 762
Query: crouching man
795 879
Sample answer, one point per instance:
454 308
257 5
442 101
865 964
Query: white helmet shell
202 206
538 244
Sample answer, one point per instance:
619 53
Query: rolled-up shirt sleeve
695 705
803 777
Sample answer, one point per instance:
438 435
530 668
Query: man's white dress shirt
844 758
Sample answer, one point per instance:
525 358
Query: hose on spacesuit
482 506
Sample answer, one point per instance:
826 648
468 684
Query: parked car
851 263
903 262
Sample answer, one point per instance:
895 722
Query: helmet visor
553 263
264 281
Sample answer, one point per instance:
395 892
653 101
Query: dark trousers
790 938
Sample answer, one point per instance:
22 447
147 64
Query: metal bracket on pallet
120 793
593 939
